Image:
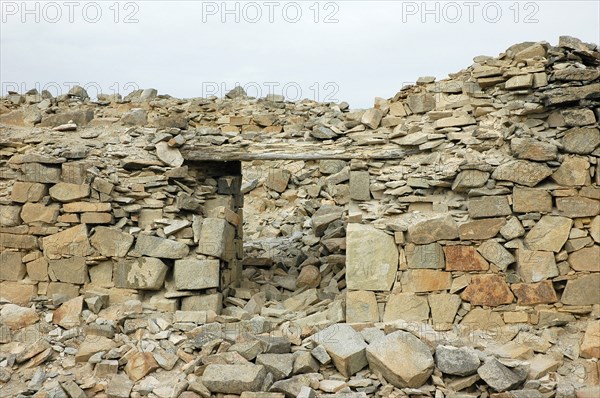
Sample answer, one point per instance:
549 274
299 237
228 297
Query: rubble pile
444 243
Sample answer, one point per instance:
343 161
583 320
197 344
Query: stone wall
470 200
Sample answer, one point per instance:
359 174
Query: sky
335 51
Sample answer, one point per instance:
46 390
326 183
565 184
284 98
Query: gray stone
135 117
530 200
371 258
361 306
111 242
421 102
69 270
28 192
279 365
429 231
233 379
345 346
512 229
153 246
582 290
444 307
496 253
532 149
119 387
191 273
573 171
519 82
425 256
457 361
522 172
468 179
574 207
11 266
304 362
331 166
291 387
402 359
489 206
145 273
550 233
79 117
9 216
168 155
581 140
36 172
216 239
371 118
501 378
359 185
205 302
67 192
325 216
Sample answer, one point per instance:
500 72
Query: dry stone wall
470 203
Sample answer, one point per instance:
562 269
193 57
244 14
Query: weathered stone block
582 290
581 140
67 192
68 270
534 293
371 258
153 246
406 306
361 306
9 216
535 266
429 231
529 200
28 192
402 359
550 233
444 307
586 259
38 213
145 273
345 346
482 229
464 258
572 172
278 179
204 302
36 172
489 206
490 290
425 280
496 253
11 266
576 206
191 273
234 379
216 239
468 179
425 256
111 242
72 241
522 172
359 185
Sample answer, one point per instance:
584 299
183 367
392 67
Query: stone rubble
444 243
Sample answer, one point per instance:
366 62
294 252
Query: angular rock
534 293
402 359
233 379
111 242
216 239
468 179
9 216
421 102
425 280
139 365
581 140
425 256
92 345
361 306
153 246
17 317
586 259
576 206
489 290
532 149
359 185
495 253
145 273
429 231
464 258
28 192
345 346
11 266
371 258
191 273
489 206
280 365
572 172
486 228
278 179
72 241
550 233
310 276
371 118
407 307
583 290
456 361
535 266
119 387
590 346
323 217
530 200
67 192
443 307
36 172
38 213
67 315
522 172
499 377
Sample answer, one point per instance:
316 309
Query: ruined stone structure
457 206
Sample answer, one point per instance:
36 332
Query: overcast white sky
326 50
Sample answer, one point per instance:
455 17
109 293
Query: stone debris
443 243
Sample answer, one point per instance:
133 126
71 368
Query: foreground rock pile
444 243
